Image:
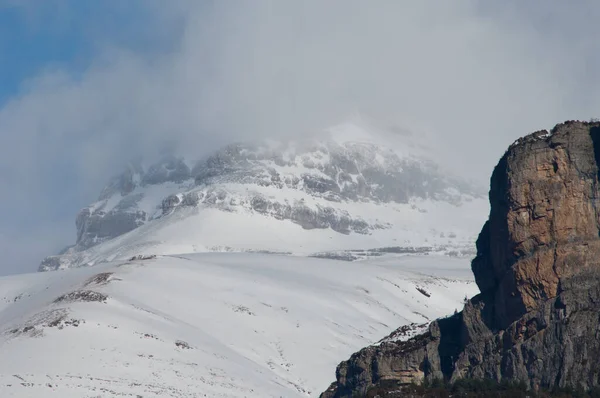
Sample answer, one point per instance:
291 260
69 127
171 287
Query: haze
87 86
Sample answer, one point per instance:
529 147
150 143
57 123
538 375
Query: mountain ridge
335 187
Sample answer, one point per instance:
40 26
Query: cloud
22 250
201 74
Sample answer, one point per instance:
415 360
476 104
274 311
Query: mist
197 75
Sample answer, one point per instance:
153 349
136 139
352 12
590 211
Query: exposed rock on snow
81 295
214 324
298 197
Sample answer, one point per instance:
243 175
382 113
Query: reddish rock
538 268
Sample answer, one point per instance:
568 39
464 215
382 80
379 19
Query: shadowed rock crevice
538 269
450 343
595 136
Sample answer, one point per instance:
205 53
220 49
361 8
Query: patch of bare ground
100 279
143 257
34 327
81 296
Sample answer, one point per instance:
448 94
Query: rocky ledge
537 318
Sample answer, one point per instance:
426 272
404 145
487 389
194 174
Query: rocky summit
537 317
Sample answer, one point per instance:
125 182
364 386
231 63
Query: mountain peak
328 193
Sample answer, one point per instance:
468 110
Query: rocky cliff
537 318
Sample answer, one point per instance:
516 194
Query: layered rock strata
537 318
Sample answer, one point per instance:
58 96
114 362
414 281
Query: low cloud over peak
198 75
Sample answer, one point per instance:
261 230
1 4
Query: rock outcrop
350 171
119 208
537 318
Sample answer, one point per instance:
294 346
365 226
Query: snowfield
439 226
211 324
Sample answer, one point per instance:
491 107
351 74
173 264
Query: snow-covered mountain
356 190
211 324
223 277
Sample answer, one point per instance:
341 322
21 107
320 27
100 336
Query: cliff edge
537 318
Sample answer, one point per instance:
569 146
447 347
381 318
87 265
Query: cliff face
537 318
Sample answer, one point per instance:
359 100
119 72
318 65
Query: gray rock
98 227
168 169
97 224
169 204
124 183
190 199
336 172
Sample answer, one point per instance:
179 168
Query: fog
196 75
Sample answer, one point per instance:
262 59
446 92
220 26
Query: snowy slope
211 325
440 227
258 304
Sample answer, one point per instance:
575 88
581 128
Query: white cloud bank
476 77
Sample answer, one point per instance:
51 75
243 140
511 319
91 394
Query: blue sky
87 85
36 36
39 38
27 47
